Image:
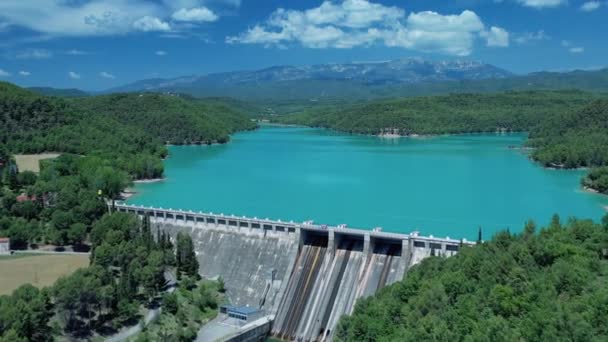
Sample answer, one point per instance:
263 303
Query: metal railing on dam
287 227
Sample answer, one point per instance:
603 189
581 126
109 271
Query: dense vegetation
173 119
573 139
106 142
456 113
184 311
597 179
128 270
126 130
548 286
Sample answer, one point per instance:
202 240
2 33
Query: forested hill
126 130
171 118
574 139
549 286
455 113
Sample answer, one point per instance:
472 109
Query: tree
170 303
26 178
111 182
77 233
185 256
27 312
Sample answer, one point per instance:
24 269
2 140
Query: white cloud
566 43
496 36
355 23
78 18
577 49
75 52
590 6
4 73
105 74
24 73
150 24
160 53
542 3
74 75
197 14
532 36
34 54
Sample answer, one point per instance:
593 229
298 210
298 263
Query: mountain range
360 81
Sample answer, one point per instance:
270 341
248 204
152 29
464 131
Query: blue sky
97 44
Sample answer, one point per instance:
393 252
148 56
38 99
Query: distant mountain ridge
59 92
402 71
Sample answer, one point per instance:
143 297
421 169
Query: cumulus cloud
590 6
496 36
24 73
57 18
78 18
34 54
355 23
73 75
4 73
160 53
105 74
150 24
197 14
542 3
531 37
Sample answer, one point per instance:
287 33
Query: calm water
445 186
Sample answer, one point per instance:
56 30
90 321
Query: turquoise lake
441 186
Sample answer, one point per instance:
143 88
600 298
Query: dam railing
291 227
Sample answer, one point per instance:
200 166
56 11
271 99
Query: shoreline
149 180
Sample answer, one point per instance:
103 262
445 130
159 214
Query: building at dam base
303 276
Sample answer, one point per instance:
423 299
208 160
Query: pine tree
185 256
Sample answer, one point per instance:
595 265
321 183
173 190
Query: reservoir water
441 186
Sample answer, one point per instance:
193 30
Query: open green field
39 270
31 162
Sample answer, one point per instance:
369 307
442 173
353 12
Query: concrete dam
304 276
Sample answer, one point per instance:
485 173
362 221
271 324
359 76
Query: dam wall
305 275
253 264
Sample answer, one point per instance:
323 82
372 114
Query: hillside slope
455 113
549 286
128 130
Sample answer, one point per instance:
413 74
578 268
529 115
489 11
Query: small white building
5 246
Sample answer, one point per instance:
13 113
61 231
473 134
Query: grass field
31 162
39 270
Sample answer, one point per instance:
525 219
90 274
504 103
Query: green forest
450 114
129 263
105 142
548 285
127 131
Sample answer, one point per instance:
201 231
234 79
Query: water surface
444 186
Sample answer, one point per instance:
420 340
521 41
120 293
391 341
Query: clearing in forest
31 162
39 270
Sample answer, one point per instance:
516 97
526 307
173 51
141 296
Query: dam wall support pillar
404 261
444 249
331 242
367 248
